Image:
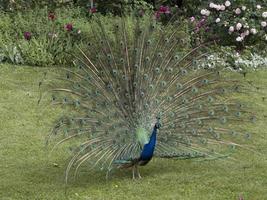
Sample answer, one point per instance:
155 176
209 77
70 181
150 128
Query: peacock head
158 124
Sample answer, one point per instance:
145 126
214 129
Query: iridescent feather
127 79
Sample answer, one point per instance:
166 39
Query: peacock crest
134 94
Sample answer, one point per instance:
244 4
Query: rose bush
231 23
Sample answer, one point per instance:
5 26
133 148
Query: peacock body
133 95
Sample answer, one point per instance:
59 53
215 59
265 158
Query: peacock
133 94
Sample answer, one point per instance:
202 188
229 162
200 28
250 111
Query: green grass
27 172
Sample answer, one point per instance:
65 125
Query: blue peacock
133 95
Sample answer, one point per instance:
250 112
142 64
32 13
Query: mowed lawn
28 172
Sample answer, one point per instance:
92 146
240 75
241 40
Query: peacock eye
238 114
223 90
210 99
239 105
145 76
109 56
163 83
184 71
169 69
149 42
114 72
146 106
223 120
151 86
169 98
124 77
109 86
119 89
159 55
184 101
210 130
211 112
194 89
194 131
205 81
225 108
179 86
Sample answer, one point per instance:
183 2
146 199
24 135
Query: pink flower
51 16
69 27
157 15
192 19
27 35
238 11
93 10
164 9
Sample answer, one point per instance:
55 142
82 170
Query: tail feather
129 76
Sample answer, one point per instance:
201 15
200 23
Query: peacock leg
133 170
107 175
138 173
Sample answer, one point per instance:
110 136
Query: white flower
264 14
243 35
217 7
222 7
246 33
253 31
212 5
244 8
239 39
238 11
238 26
231 29
258 6
265 37
205 12
227 3
79 31
263 24
217 20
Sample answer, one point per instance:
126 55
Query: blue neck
149 148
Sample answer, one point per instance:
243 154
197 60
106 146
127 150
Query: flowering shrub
69 27
229 58
163 10
232 23
41 37
27 35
